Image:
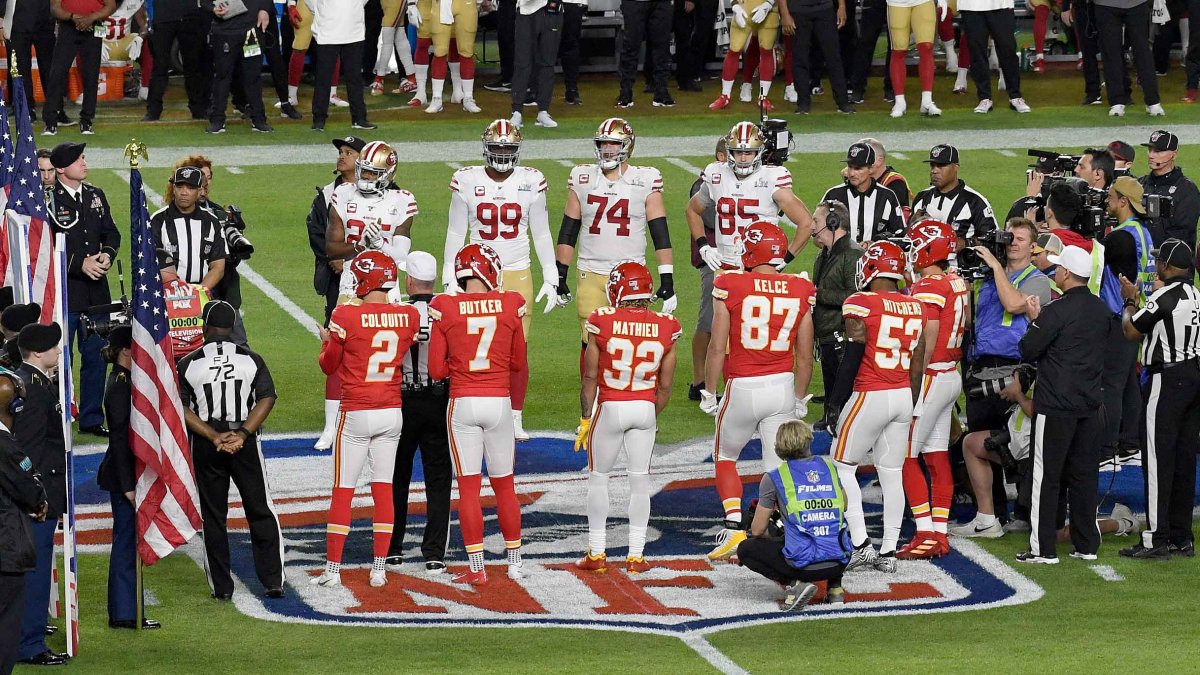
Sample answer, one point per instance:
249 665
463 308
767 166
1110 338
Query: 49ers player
883 364
751 18
502 204
743 192
765 318
370 214
628 367
123 43
364 346
947 314
610 207
478 343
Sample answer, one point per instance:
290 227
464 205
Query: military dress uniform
21 493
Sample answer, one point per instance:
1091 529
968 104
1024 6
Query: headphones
17 404
833 218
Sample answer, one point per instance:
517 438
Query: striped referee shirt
964 209
1171 323
415 368
194 239
874 214
222 381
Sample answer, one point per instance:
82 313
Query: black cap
1163 141
1122 151
6 298
1175 253
121 337
354 142
188 175
860 155
37 337
219 314
943 154
65 154
16 317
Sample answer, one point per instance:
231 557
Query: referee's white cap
421 266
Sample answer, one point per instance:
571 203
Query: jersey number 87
756 322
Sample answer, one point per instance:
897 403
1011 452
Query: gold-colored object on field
132 151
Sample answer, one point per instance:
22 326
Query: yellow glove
581 433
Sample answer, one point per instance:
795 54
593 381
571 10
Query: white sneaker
899 107
789 93
931 109
1117 110
517 571
470 106
545 120
1156 110
516 120
746 93
435 106
339 101
974 529
984 107
519 432
1127 524
327 579
1019 105
378 578
951 59
325 441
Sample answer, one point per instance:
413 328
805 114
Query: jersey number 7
485 328
756 322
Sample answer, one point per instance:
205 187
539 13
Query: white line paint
1106 572
899 155
234 170
713 655
1007 153
690 168
567 163
454 165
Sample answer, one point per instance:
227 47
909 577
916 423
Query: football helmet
614 130
745 137
479 261
373 271
501 146
629 280
763 243
932 242
882 260
379 158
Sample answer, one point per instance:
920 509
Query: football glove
414 15
666 292
739 15
581 433
709 254
761 12
708 402
550 292
135 48
802 407
371 237
294 16
563 291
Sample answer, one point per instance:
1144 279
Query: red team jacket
366 346
894 322
632 343
764 313
477 341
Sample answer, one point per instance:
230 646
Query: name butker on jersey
374 339
894 322
613 223
632 342
498 212
478 338
388 209
741 202
945 299
764 313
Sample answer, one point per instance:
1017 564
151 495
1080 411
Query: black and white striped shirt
416 362
874 214
1171 323
964 209
222 381
195 240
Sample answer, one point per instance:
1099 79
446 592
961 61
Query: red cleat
417 102
407 86
944 541
1039 64
721 103
591 563
1191 96
1079 64
766 104
636 565
923 545
471 578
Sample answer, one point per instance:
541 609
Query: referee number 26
381 367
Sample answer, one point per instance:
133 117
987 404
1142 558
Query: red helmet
479 261
763 243
882 260
932 242
629 280
373 271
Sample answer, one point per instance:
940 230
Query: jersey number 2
382 364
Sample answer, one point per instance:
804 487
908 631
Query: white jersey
613 214
119 23
388 209
740 202
498 213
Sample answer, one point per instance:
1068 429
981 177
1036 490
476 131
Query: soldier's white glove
739 15
710 256
371 236
761 12
414 15
548 292
135 48
708 402
802 407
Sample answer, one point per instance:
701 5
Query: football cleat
766 104
325 442
407 86
1143 552
930 109
593 563
519 433
471 578
1039 64
863 556
517 571
885 562
1034 558
1117 110
394 563
377 88
899 108
923 545
943 542
435 106
636 565
1019 105
727 543
378 578
327 579
1126 522
417 101
471 106
435 567
545 120
798 596
789 94
721 103
338 101
1155 110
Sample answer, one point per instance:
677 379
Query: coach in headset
833 274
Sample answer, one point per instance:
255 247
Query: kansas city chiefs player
501 204
628 368
743 192
610 207
478 343
947 314
370 214
364 346
879 378
765 318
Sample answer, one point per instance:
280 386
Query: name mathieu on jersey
741 202
764 313
498 212
894 322
478 341
613 214
366 347
632 342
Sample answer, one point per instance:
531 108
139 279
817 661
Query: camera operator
873 209
1167 180
833 275
190 234
950 200
1061 341
1098 167
328 271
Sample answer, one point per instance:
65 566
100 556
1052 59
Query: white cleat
1019 105
984 107
1156 110
519 432
545 120
339 101
789 93
745 94
516 120
325 442
1117 110
885 563
470 106
1127 524
456 96
378 578
517 571
327 579
931 109
899 108
863 556
435 106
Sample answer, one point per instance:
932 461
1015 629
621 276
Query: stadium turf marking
454 165
690 168
236 170
899 155
713 655
1007 153
567 163
1106 572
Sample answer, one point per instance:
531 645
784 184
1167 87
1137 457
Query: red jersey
894 323
632 342
366 346
764 314
477 341
945 299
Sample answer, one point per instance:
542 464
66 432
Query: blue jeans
37 591
92 372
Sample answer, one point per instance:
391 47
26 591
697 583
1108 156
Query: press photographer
1166 181
1055 172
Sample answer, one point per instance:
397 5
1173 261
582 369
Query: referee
1171 323
950 200
192 235
425 402
874 210
229 393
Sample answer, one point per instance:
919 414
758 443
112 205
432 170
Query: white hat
421 266
1076 260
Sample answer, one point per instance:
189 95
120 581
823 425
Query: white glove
943 9
709 254
549 292
761 12
802 407
450 288
414 15
739 15
708 402
135 48
670 304
371 236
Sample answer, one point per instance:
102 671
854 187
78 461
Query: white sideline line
260 282
713 655
454 165
567 163
684 165
234 169
1006 153
899 155
1107 573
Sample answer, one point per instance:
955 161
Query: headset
17 404
833 217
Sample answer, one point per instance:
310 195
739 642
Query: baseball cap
421 266
1128 187
1122 151
1076 260
1175 253
219 314
860 155
1048 243
943 154
1162 140
187 175
355 143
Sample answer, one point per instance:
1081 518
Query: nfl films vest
813 504
998 333
1147 270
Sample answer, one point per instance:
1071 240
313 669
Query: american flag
27 207
6 174
168 505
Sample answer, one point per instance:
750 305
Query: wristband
246 433
701 241
788 257
666 269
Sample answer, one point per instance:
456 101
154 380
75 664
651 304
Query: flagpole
132 151
70 555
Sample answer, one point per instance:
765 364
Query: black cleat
289 111
1187 550
98 430
215 128
262 127
1141 552
47 658
694 391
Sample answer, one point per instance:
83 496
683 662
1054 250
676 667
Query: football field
968 612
